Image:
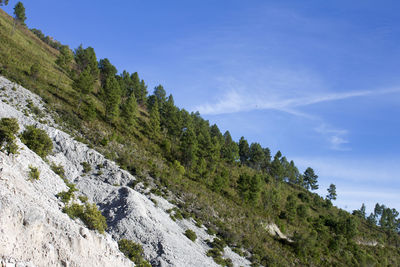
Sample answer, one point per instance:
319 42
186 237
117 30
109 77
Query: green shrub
133 251
89 214
58 169
33 173
74 210
86 167
191 235
66 196
8 129
83 199
37 140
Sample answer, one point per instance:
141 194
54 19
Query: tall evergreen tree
86 59
65 57
19 13
277 170
331 192
189 148
141 98
130 110
112 99
310 179
256 155
106 70
293 173
153 127
160 94
230 149
244 150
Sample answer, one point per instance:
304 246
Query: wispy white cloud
337 138
234 101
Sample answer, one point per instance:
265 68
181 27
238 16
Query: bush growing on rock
191 235
133 251
33 173
58 169
86 167
37 140
8 129
89 214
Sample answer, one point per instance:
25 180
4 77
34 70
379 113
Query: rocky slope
35 231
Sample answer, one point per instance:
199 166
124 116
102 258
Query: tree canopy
19 13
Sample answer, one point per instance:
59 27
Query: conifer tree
112 99
277 170
169 117
19 12
244 150
189 147
310 179
331 192
256 156
293 173
141 98
86 59
160 94
65 58
106 70
84 83
230 149
153 127
130 110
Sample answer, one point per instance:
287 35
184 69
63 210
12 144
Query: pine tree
84 83
142 93
331 192
19 12
310 179
293 173
244 150
106 70
86 59
153 127
230 149
256 155
188 148
130 110
65 58
277 170
160 94
112 99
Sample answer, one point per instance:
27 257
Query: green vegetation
134 252
234 188
89 214
86 167
66 196
191 235
37 140
34 173
58 169
8 129
19 12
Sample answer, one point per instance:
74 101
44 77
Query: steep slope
41 229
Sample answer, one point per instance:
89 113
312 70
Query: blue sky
317 80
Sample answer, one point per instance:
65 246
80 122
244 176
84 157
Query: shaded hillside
234 189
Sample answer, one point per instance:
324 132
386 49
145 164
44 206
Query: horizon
326 93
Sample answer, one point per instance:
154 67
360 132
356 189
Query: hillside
155 170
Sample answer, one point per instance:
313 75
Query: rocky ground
35 232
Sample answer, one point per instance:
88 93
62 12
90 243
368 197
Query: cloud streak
234 101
